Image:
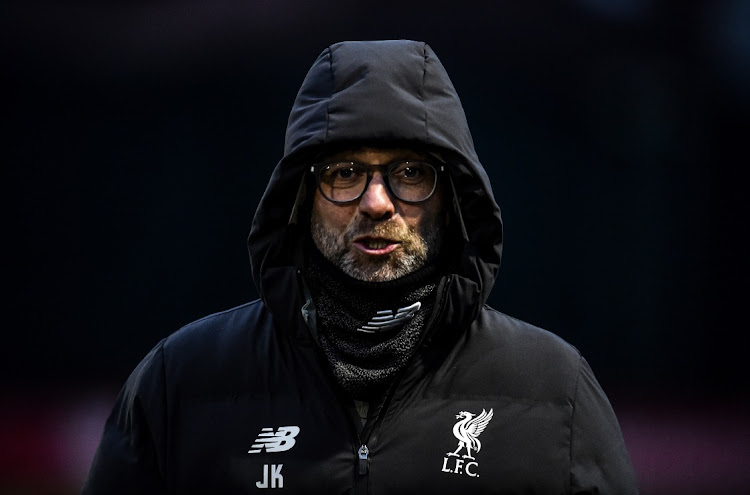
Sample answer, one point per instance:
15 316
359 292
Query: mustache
390 229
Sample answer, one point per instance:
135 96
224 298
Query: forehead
375 155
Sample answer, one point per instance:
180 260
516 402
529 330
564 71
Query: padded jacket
243 401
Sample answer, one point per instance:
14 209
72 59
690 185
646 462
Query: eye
411 172
344 173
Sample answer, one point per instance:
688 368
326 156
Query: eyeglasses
343 182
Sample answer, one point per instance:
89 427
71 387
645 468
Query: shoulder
520 338
510 357
222 328
219 344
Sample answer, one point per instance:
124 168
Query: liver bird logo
467 431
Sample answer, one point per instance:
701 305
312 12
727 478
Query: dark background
139 137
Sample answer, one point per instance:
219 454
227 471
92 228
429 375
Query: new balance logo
278 441
387 319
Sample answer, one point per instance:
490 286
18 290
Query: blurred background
139 136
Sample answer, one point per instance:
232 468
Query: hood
377 92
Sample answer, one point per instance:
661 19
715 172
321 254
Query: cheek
332 217
423 215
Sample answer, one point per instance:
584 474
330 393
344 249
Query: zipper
370 430
309 315
363 452
362 463
371 433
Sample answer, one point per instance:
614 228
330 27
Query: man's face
378 237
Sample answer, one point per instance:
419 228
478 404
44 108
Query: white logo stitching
386 319
279 441
467 430
272 477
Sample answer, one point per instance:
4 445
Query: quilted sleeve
599 462
130 456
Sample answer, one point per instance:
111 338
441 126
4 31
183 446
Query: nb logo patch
275 441
387 319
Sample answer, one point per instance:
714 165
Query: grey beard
417 248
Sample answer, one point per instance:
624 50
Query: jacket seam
333 90
165 419
572 415
422 90
219 313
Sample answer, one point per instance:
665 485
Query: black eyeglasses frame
385 170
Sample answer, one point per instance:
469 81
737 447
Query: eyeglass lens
346 181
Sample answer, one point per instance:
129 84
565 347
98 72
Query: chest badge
388 318
275 441
269 440
466 430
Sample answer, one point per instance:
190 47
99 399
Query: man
370 364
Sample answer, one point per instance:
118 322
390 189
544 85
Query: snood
368 330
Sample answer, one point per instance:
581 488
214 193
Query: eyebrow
397 158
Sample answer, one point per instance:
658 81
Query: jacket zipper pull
363 452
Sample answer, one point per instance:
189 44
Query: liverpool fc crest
467 431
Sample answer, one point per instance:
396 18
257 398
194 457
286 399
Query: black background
139 137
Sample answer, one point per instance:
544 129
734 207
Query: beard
418 247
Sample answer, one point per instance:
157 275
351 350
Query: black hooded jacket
242 400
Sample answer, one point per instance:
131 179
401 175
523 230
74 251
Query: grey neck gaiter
369 330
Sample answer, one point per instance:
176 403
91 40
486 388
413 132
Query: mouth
375 246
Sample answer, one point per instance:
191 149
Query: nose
376 203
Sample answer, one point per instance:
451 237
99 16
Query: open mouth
375 246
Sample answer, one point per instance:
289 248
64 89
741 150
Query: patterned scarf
369 330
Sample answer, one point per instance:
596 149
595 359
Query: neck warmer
368 330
